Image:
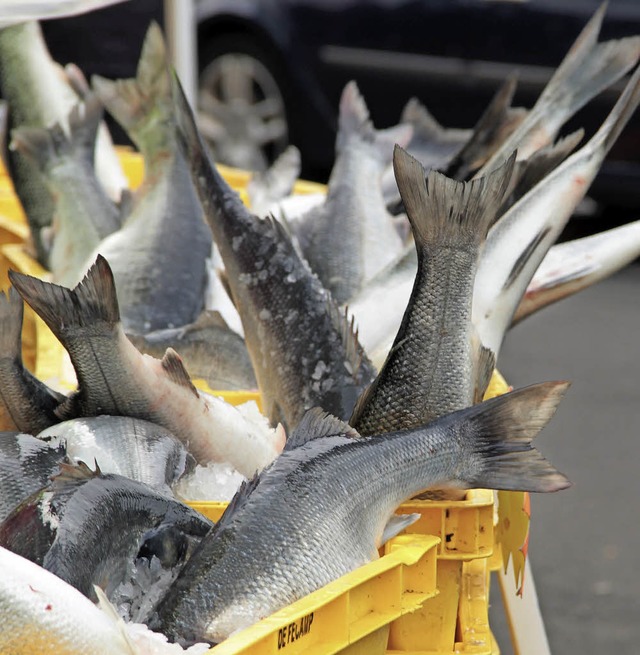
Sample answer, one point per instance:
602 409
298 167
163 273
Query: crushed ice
215 481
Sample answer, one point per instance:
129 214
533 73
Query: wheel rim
241 112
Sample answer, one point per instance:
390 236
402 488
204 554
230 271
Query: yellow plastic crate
428 594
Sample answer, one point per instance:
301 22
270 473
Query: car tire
241 101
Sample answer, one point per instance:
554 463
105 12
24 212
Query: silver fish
137 449
40 613
159 256
519 241
85 526
431 369
572 266
303 348
83 215
329 499
349 238
209 349
39 96
26 464
269 187
114 378
26 403
587 69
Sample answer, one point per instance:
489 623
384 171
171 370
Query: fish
518 242
270 186
40 613
209 348
4 130
433 145
498 122
431 368
390 288
26 404
329 499
131 447
39 95
349 238
26 463
83 214
303 348
588 68
115 379
85 526
159 257
574 265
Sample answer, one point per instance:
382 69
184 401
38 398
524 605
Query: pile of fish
370 319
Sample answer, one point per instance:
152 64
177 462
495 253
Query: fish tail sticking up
354 119
619 116
444 211
499 432
588 68
45 146
130 100
497 122
91 303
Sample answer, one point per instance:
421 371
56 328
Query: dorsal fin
71 474
486 363
174 368
355 354
316 423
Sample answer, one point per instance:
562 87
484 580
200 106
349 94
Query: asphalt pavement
584 541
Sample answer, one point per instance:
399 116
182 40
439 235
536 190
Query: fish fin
174 368
485 366
77 80
499 432
72 474
84 120
356 359
277 181
423 121
396 524
239 500
208 318
587 69
316 423
444 211
93 300
226 285
498 120
41 146
354 119
619 116
532 170
525 255
129 101
110 610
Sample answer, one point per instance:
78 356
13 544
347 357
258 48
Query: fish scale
432 367
321 509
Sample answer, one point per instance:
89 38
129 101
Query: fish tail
91 303
619 116
45 146
497 122
500 432
131 100
11 311
444 211
354 120
588 68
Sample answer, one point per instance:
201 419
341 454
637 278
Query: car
270 72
